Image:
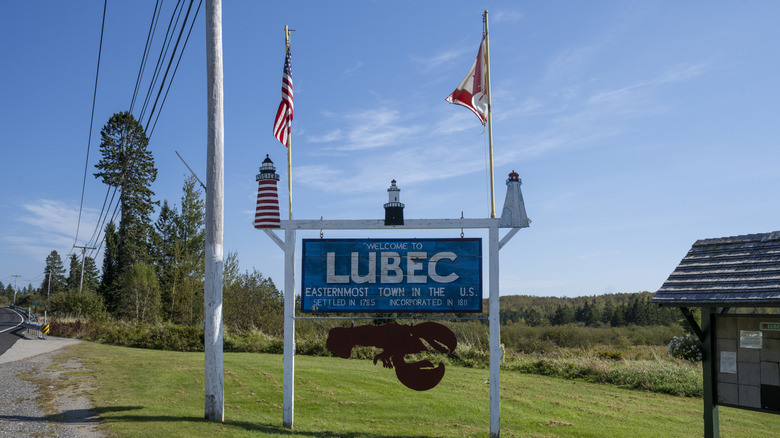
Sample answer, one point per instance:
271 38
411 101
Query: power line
163 52
192 24
155 112
145 56
91 120
178 39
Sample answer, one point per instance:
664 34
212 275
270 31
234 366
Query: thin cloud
358 65
506 16
335 135
363 174
51 215
370 129
435 61
590 118
51 225
673 75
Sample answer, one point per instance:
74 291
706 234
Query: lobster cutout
396 341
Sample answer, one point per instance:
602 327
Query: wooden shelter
741 350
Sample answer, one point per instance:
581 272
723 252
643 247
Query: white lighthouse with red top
267 211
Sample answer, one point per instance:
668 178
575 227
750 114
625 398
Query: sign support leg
289 328
495 336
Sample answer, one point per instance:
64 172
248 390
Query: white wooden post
289 328
212 294
495 334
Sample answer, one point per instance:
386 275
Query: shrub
609 354
686 347
84 304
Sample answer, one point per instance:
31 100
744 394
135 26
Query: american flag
284 114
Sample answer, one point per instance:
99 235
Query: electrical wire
178 39
155 111
147 46
91 121
163 53
181 53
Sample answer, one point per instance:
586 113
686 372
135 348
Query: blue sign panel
391 275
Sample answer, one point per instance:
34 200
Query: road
10 328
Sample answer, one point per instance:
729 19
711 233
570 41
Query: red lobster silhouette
398 340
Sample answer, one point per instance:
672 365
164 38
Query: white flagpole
489 115
289 138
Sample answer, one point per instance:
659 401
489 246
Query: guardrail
30 316
31 322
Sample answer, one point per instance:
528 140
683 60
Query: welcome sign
391 275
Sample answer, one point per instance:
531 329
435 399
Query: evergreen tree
166 253
91 275
532 317
128 165
592 317
618 316
563 315
57 271
606 314
109 282
74 273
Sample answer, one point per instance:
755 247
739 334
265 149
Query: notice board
747 361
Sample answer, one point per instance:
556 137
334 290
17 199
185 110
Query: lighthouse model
267 211
514 215
394 209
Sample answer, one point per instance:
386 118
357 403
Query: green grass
160 393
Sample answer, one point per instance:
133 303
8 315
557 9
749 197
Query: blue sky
636 127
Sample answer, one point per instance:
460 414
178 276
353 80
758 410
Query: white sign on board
728 362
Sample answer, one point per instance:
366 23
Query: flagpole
489 116
289 138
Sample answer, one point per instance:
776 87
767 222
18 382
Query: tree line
613 310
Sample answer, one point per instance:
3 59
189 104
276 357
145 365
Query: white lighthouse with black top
394 209
267 211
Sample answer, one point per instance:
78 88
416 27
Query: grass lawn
159 393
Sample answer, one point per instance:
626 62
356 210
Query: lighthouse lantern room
394 209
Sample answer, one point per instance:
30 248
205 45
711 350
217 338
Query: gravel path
40 396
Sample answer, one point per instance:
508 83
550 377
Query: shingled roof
739 271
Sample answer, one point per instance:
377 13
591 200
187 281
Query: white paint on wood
288 390
212 294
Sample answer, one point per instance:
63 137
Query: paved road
10 328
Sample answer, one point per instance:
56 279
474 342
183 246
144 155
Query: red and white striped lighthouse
267 211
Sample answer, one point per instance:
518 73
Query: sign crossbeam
494 245
378 224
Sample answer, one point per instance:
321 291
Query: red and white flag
472 91
284 114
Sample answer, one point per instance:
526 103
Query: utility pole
83 253
215 212
16 277
48 292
